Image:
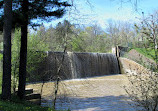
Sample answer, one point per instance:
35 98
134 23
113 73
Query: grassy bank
22 106
148 53
16 105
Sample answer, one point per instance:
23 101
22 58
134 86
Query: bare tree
121 33
143 89
149 34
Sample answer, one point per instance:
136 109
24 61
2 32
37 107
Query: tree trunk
23 51
6 82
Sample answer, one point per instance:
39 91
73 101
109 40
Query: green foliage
15 104
78 43
15 57
87 39
65 34
22 106
150 54
1 57
36 54
93 39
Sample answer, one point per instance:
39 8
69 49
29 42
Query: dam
102 93
74 65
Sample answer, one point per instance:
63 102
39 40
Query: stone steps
32 97
28 91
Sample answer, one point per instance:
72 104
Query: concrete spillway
92 64
78 65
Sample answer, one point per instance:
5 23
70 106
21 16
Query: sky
101 11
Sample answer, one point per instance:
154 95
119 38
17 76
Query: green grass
146 52
17 105
22 106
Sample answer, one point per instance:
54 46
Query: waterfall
93 64
78 65
73 68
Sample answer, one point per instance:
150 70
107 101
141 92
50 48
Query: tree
113 30
49 37
23 50
143 83
149 30
6 84
121 33
64 34
23 13
36 57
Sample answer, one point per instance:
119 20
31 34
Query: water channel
104 93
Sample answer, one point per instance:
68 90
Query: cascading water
71 58
93 64
78 65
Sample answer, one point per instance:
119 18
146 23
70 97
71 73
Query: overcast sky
100 11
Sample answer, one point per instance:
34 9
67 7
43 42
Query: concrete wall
76 65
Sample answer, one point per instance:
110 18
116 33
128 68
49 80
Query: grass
22 106
17 105
146 52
